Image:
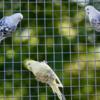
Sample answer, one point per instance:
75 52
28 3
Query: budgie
8 25
45 74
94 17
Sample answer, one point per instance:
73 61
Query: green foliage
58 33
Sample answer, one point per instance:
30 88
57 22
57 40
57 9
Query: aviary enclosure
58 32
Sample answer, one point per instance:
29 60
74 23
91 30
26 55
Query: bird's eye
87 8
29 64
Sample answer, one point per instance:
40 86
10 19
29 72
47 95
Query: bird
8 25
94 17
45 74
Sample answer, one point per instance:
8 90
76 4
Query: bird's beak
25 63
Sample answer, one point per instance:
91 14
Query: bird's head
89 10
18 16
29 64
15 18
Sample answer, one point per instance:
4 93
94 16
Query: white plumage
45 74
94 17
8 25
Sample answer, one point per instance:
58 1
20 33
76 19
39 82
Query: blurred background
56 31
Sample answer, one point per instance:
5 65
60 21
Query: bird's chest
45 76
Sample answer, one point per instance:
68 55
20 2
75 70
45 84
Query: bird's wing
58 80
55 76
5 28
5 31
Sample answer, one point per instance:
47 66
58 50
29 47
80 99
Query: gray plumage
94 17
9 24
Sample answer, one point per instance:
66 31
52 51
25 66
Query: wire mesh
56 31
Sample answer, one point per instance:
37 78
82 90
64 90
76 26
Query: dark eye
29 64
87 8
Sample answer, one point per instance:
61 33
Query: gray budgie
94 17
45 74
8 25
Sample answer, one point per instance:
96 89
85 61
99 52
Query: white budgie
94 17
8 25
45 74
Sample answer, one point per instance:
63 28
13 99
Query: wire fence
56 31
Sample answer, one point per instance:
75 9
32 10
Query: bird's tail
55 89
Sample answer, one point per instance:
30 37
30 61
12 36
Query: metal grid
56 31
